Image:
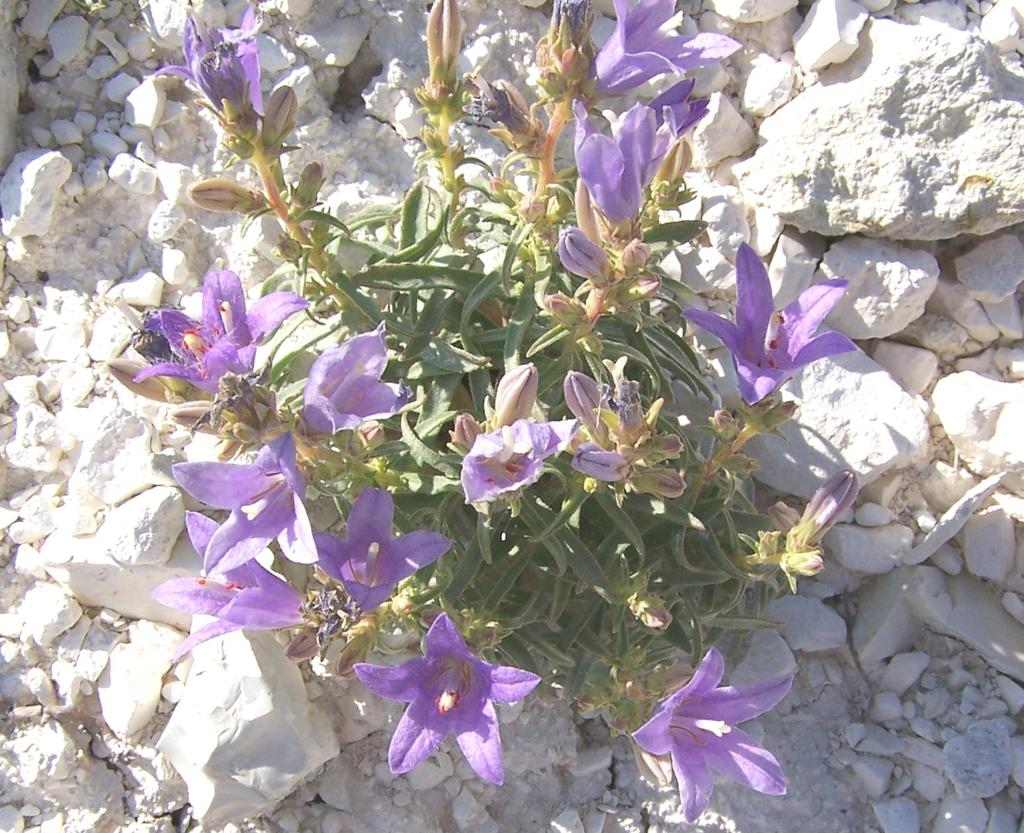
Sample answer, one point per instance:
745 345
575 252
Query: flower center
455 682
366 572
698 728
227 319
448 701
259 501
194 342
771 338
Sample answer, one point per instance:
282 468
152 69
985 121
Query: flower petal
444 640
204 634
694 782
736 704
722 328
417 736
200 530
654 735
224 306
739 757
803 316
827 344
296 539
754 303
706 676
371 519
221 485
757 382
477 734
400 683
193 595
267 314
509 684
420 548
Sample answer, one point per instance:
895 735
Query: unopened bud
649 610
465 432
566 310
665 447
571 21
531 208
784 517
586 216
444 40
302 647
124 371
584 398
581 256
516 395
676 163
827 505
372 434
279 120
660 482
224 195
723 420
288 250
310 181
635 255
193 415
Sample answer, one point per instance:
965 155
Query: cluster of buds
566 53
443 93
795 546
243 413
621 444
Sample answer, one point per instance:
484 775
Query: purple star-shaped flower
767 346
247 597
448 691
344 388
695 726
513 457
370 560
226 338
223 63
640 48
616 169
265 499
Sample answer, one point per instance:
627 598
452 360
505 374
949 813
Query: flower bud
784 517
649 610
303 646
832 499
675 164
586 215
124 371
566 310
279 120
571 20
372 434
444 40
635 255
581 256
664 447
584 398
193 415
310 181
465 432
806 563
594 461
660 482
224 195
516 395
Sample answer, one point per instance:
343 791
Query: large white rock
888 285
950 300
768 85
913 367
873 550
244 733
885 624
852 414
989 545
30 189
752 11
993 269
337 42
143 530
958 510
982 417
808 624
1001 25
829 34
793 265
129 687
863 151
721 133
67 38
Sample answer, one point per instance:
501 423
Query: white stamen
718 728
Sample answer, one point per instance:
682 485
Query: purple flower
223 63
226 338
247 597
768 346
695 727
598 463
616 170
265 499
641 49
344 388
674 107
507 460
448 690
370 561
580 255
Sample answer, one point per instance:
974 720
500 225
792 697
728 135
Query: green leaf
428 324
523 315
414 215
552 336
620 518
439 354
325 218
424 455
483 539
481 292
469 563
680 231
410 276
565 548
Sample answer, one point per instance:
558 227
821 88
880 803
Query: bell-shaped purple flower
370 560
673 107
265 499
344 389
582 256
512 458
249 597
640 48
695 726
226 338
767 346
223 63
449 691
616 170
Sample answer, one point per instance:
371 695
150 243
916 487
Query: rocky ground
876 142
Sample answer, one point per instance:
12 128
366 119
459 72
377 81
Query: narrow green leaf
483 539
414 215
621 519
680 231
523 315
423 455
409 276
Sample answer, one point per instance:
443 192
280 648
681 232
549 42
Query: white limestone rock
902 671
144 106
989 545
913 367
244 733
885 625
335 43
166 22
993 269
808 624
1002 25
871 551
67 38
30 189
979 762
768 85
752 11
950 300
851 414
129 687
165 221
767 656
955 516
889 286
46 611
143 529
793 264
39 17
132 174
829 34
936 13
1006 316
142 290
111 333
897 815
861 152
983 417
962 607
721 133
